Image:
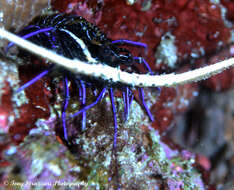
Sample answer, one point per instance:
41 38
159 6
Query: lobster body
74 37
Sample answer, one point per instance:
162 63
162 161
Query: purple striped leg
65 104
141 93
83 104
127 101
35 79
125 105
115 118
111 94
123 41
30 35
125 95
100 96
146 65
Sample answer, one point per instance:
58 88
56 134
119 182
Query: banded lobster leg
31 34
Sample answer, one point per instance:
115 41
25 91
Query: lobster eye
125 57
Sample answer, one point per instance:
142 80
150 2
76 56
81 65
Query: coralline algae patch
40 162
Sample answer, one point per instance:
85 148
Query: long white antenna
106 72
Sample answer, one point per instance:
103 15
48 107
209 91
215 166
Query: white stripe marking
82 45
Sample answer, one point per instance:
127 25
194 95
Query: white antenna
108 73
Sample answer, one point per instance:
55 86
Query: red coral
229 4
170 103
89 10
37 106
61 5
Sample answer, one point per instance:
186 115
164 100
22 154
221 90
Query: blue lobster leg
141 93
125 105
102 93
125 95
30 35
146 65
65 104
83 103
111 94
115 117
35 79
123 41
